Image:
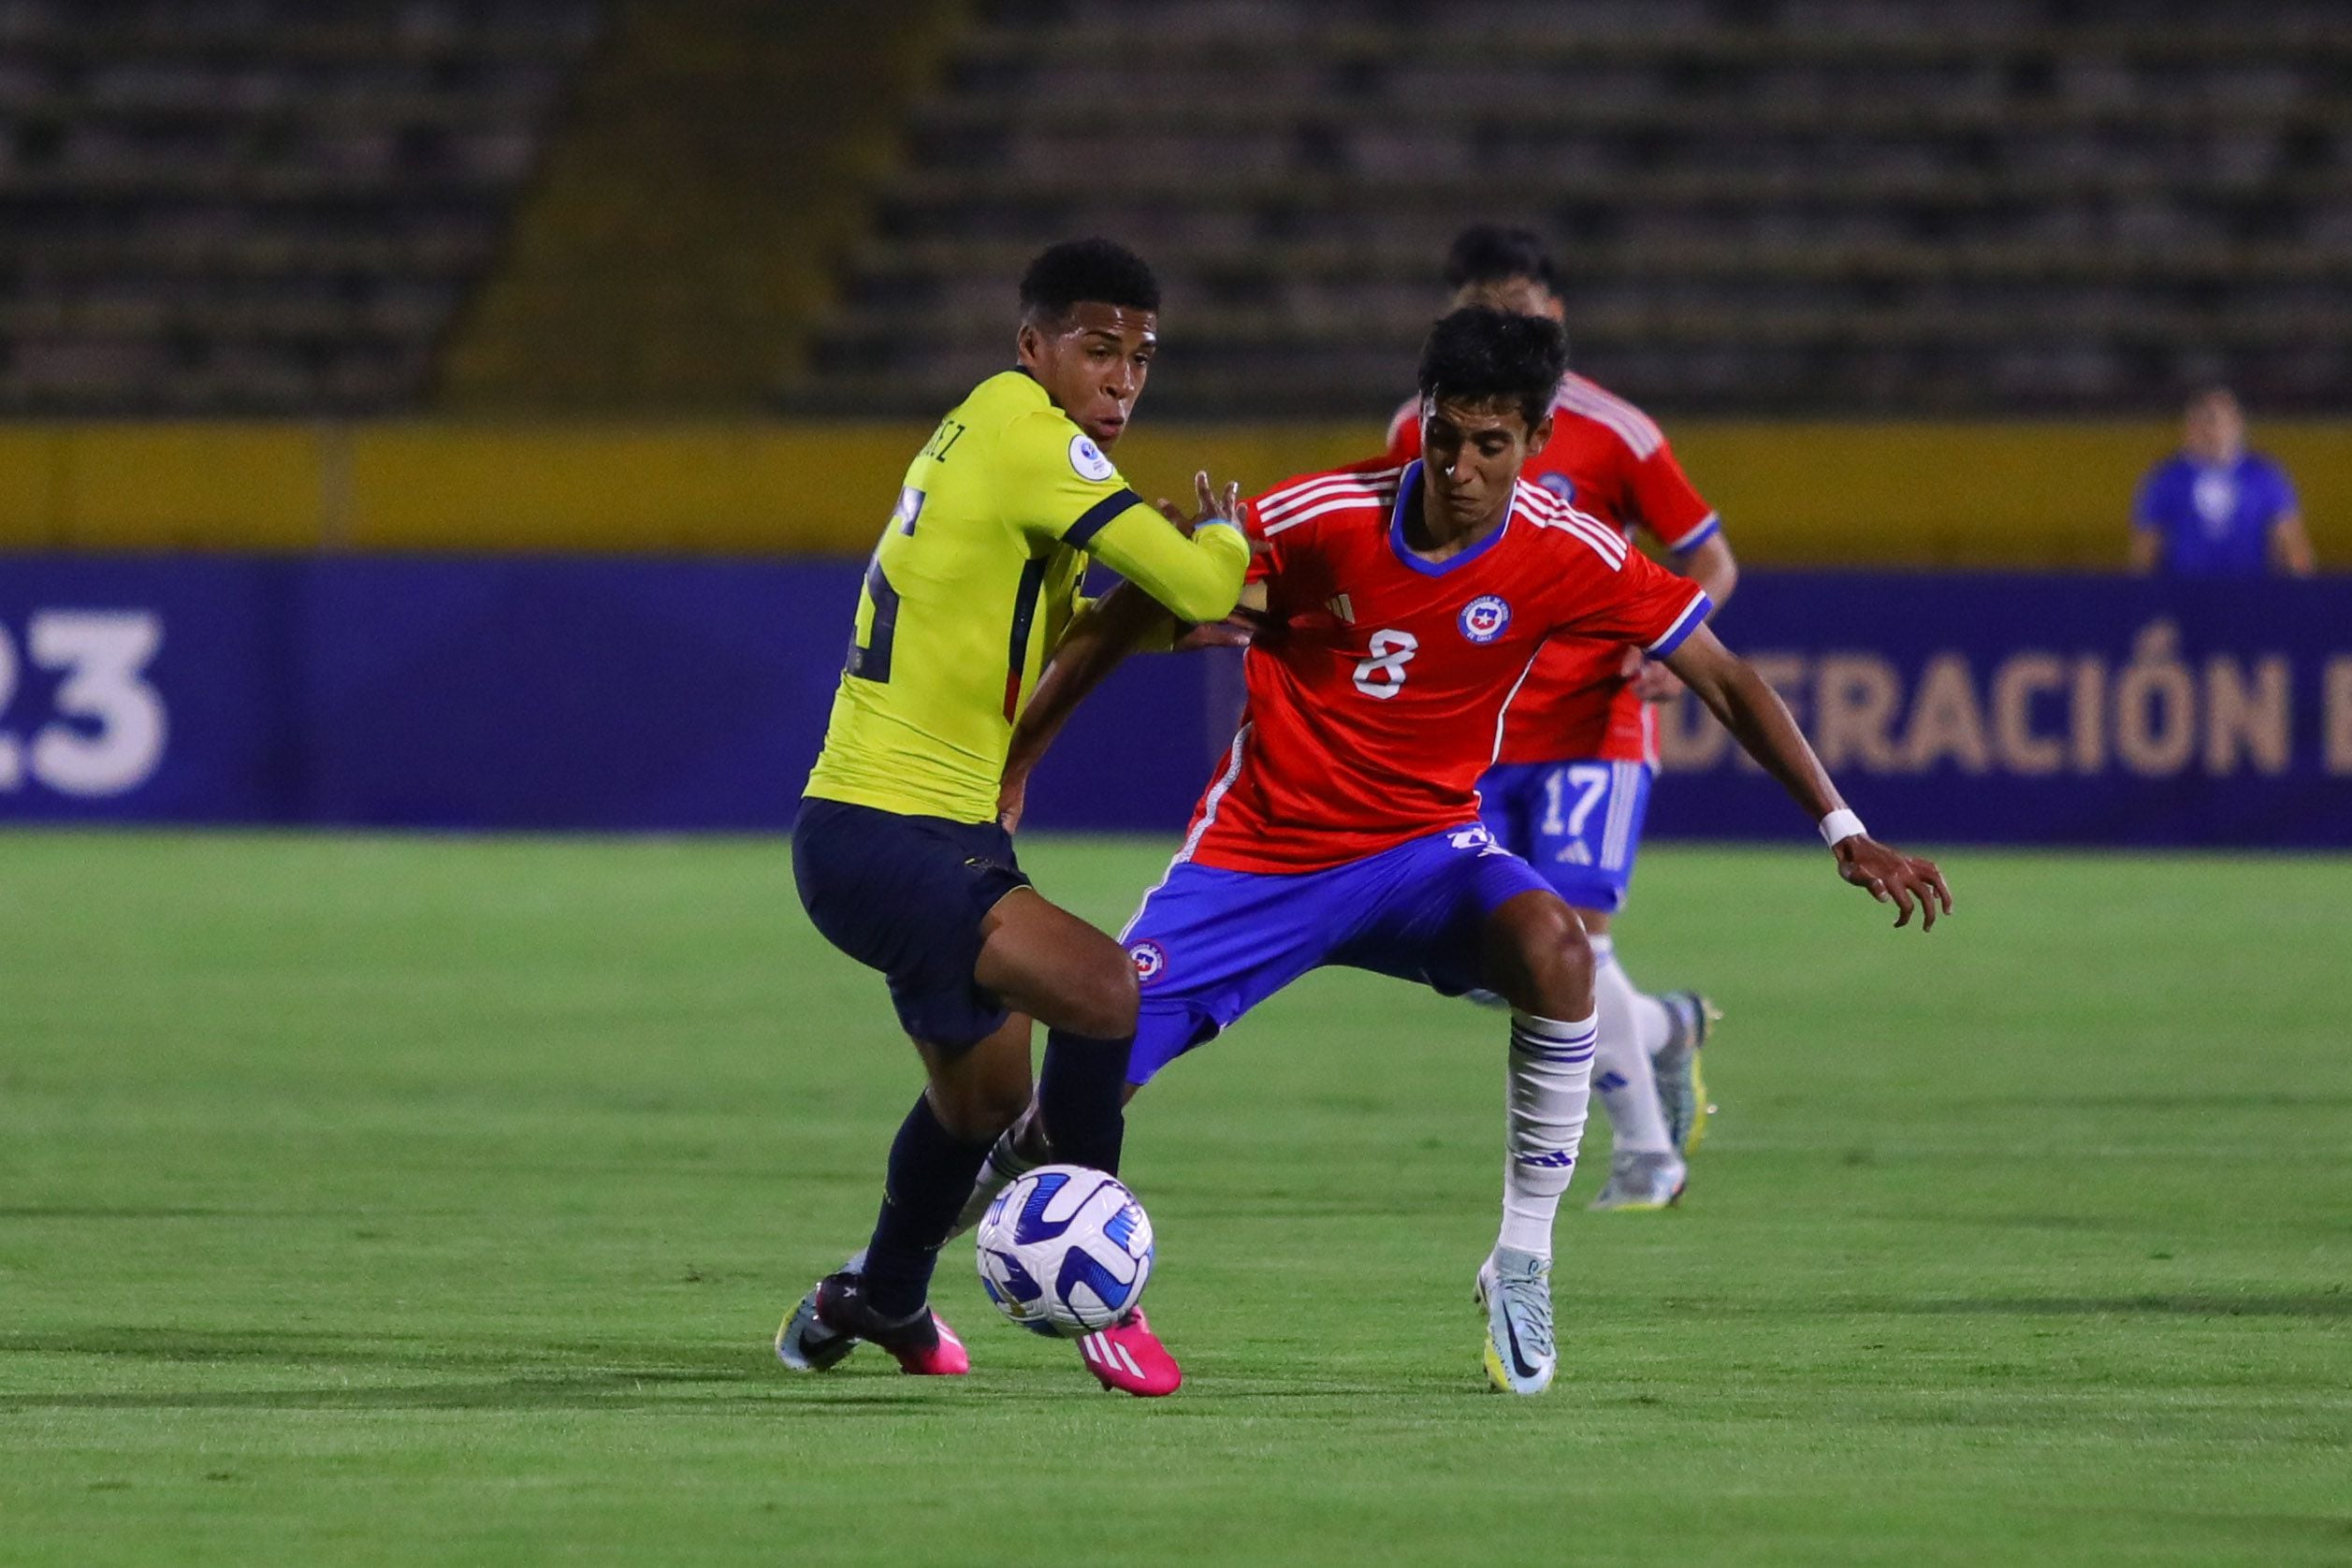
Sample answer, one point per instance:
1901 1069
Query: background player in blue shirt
2213 509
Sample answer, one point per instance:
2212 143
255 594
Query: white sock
1551 1074
1633 1027
1003 1166
1653 1026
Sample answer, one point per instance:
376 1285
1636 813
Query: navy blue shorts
906 895
1208 944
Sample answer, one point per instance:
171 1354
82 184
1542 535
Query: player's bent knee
1105 999
1059 970
1563 967
1545 960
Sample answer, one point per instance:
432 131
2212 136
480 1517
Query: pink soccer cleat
1129 1357
944 1358
923 1344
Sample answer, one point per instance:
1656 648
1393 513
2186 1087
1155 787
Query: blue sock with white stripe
1551 1081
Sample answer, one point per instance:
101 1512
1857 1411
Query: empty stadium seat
1955 206
257 206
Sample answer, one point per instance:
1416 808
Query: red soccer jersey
1377 691
1610 461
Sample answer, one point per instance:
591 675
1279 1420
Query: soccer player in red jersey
1400 607
1570 781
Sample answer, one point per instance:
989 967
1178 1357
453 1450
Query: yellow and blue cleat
1681 1084
1516 1289
1642 1181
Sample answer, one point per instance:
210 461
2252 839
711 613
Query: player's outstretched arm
1711 565
1766 731
1105 632
1193 569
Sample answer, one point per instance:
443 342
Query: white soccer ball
1064 1250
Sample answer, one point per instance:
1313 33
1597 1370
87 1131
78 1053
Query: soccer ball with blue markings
1065 1251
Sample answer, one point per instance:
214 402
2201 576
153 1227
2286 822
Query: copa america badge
1087 461
1484 619
1149 958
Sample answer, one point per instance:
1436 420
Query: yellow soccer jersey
975 580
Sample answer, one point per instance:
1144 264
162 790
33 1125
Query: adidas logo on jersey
1338 606
1575 854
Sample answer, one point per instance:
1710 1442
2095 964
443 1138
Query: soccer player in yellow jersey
898 852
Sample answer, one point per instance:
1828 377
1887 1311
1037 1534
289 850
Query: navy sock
1079 1094
931 1174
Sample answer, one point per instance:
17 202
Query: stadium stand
258 206
1954 207
684 234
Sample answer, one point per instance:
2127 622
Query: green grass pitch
396 1201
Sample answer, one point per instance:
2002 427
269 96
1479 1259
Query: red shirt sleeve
1667 504
1262 550
1641 603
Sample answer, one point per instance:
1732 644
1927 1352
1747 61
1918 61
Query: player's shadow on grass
531 1374
619 1390
2316 1304
2190 1100
699 1375
313 1348
169 1212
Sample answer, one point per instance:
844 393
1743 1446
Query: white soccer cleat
1643 1180
806 1346
1516 1288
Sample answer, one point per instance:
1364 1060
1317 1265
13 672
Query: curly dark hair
1075 270
1480 355
1492 254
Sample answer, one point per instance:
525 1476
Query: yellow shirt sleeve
1195 579
1065 490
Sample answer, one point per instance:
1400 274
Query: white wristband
1840 825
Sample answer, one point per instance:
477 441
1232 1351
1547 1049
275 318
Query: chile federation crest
1484 618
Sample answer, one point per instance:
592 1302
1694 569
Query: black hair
1492 254
1480 355
1077 270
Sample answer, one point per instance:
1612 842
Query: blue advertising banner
2047 709
485 693
647 695
148 690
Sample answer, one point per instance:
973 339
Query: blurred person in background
2214 509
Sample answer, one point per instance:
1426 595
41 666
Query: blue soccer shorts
1208 945
1578 823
